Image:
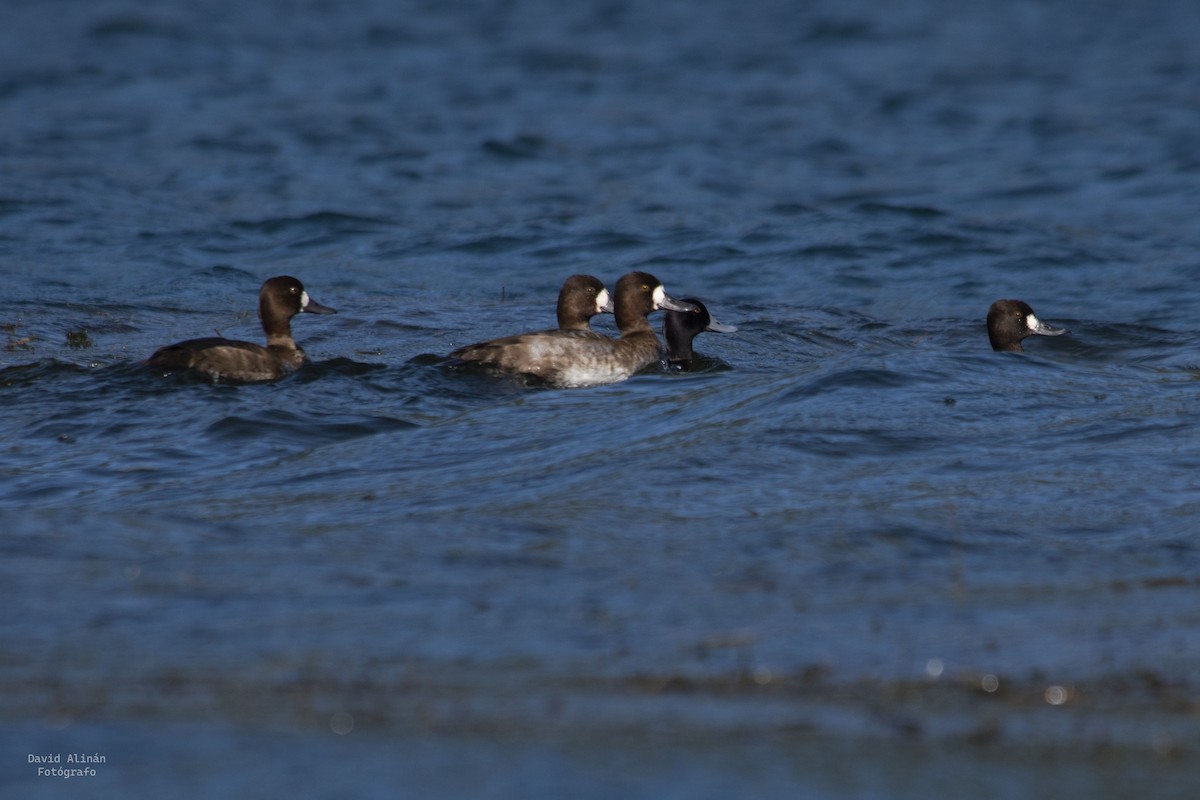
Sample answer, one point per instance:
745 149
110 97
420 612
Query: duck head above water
581 298
637 295
282 298
681 327
1010 321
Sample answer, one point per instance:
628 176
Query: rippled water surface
855 553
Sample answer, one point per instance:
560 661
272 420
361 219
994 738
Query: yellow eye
645 287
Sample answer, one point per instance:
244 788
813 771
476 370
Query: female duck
681 328
581 298
575 358
279 300
1010 321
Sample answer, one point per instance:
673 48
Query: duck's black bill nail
313 307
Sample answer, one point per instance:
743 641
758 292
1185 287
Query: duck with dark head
221 359
581 298
1010 321
680 328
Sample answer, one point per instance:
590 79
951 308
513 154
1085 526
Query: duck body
565 359
229 359
221 359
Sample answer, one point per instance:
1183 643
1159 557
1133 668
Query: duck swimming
681 327
575 358
1010 321
279 300
581 298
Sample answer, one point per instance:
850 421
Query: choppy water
858 554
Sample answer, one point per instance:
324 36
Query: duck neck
679 348
632 324
276 326
568 322
1001 346
282 340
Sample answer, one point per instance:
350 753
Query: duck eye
645 287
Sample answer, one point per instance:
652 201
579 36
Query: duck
581 298
1010 321
680 328
577 358
221 359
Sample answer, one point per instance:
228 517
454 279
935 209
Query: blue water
856 554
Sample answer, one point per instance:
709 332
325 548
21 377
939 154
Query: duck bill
1042 329
671 304
310 306
604 303
720 327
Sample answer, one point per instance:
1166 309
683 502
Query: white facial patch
1032 322
601 300
303 300
659 294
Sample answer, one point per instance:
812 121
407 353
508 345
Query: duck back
228 359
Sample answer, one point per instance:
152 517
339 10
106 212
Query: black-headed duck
680 328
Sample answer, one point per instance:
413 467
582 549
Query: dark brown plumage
1010 321
279 300
581 298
